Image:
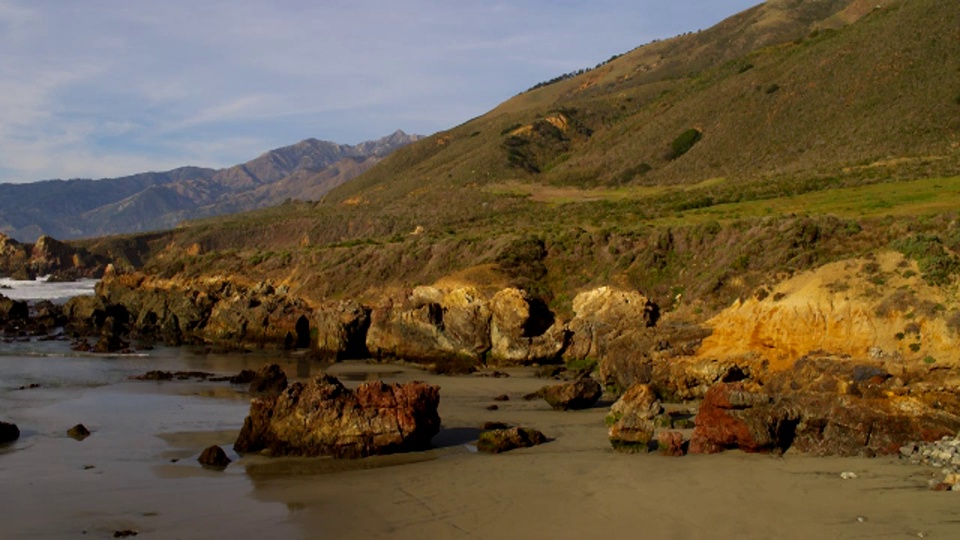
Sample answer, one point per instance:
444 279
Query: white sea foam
57 292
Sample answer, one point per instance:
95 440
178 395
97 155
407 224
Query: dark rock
502 397
323 417
269 379
495 425
8 432
155 375
246 376
78 432
493 407
503 440
580 394
125 533
214 457
158 375
12 310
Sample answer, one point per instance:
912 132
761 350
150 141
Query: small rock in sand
78 432
214 457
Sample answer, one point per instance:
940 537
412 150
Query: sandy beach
138 471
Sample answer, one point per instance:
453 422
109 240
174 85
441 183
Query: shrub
937 265
683 143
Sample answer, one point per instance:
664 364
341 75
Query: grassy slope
843 126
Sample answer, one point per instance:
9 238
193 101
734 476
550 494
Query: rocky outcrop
428 323
523 330
8 432
739 415
631 419
503 440
341 329
178 310
603 315
579 394
47 256
322 417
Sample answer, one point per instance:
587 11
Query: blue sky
102 88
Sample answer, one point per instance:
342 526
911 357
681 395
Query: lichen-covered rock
12 310
214 457
504 440
8 432
323 417
579 394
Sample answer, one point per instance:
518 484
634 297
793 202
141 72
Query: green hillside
700 166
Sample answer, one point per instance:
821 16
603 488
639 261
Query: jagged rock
214 457
269 379
8 432
631 419
504 440
323 417
580 394
78 432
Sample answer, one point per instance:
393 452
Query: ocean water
41 289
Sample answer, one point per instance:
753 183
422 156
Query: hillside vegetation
696 169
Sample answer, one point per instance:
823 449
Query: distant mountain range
69 209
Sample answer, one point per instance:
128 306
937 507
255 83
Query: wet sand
572 487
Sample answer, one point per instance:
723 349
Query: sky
106 88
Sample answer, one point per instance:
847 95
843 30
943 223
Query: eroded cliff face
877 309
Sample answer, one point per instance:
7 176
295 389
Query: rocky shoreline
819 401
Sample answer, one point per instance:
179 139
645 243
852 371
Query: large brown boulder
323 417
579 394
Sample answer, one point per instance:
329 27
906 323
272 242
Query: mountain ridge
78 208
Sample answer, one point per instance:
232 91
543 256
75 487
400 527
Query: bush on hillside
683 143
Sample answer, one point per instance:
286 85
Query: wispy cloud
111 87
